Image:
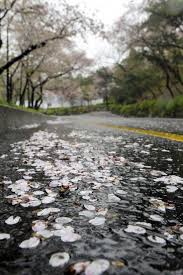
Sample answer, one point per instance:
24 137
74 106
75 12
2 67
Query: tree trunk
169 86
23 93
8 91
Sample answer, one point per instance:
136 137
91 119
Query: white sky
108 11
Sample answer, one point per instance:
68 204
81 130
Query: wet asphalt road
78 151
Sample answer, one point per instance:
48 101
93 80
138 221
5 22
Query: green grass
76 110
148 108
151 108
5 104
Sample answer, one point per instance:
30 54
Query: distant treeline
148 108
151 49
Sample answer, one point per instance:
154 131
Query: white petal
121 192
45 234
63 220
89 207
4 236
86 193
58 226
156 239
48 199
170 180
39 226
135 229
181 237
30 243
48 211
156 218
59 259
144 224
13 220
98 221
171 189
63 231
70 237
113 198
38 193
55 183
97 267
87 198
86 213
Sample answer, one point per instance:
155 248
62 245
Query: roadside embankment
12 118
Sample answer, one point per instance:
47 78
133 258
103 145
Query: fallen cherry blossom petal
144 224
12 220
156 239
86 193
113 198
39 226
45 234
89 207
135 229
30 243
70 237
121 192
156 218
97 221
48 200
48 211
86 213
59 259
171 189
63 220
4 236
97 267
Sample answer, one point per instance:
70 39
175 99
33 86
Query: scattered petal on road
97 221
86 213
89 207
171 189
47 211
13 220
113 198
63 220
48 200
156 218
135 229
4 236
59 259
30 243
97 267
156 239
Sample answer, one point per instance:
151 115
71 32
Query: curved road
121 192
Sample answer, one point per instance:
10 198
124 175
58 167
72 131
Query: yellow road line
164 135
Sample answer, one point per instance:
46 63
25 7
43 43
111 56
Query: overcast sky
108 11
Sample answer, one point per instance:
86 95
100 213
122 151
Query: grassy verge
76 110
5 104
151 108
148 108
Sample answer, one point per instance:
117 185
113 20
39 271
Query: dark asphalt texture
143 155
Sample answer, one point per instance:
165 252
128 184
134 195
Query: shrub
75 110
151 108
